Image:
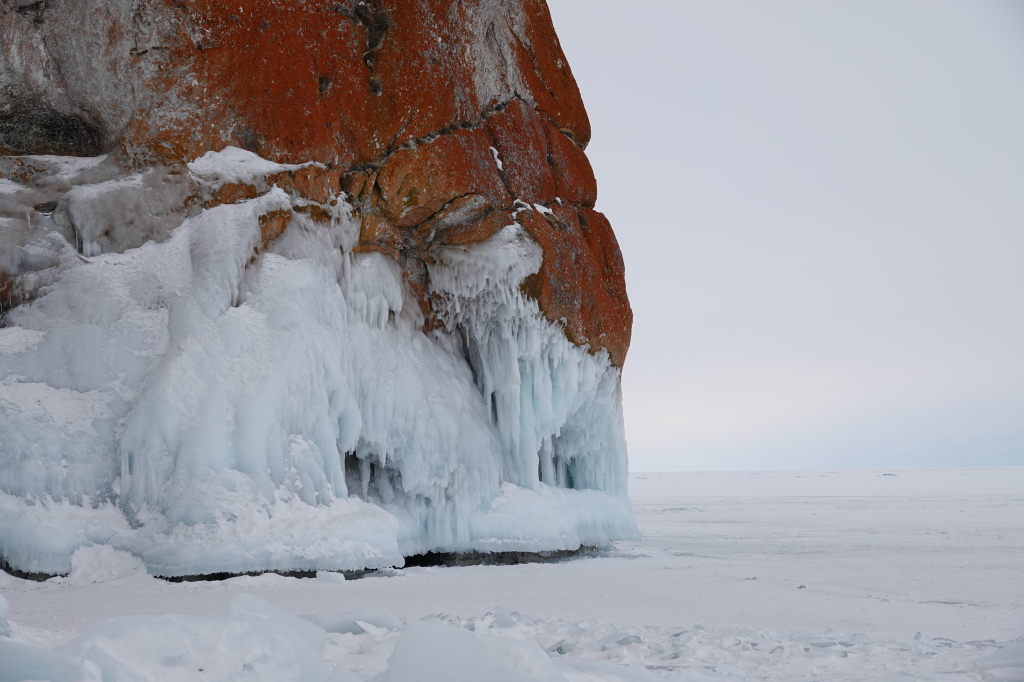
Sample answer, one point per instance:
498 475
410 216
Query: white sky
821 209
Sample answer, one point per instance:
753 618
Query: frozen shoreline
715 580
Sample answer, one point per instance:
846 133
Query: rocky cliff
435 117
313 254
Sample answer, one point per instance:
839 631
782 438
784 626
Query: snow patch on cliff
234 165
210 403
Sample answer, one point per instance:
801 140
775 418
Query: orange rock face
8 292
435 117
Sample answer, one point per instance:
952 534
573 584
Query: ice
247 606
66 168
209 403
340 674
21 663
430 651
549 518
331 576
122 213
4 629
43 534
254 643
1004 665
102 563
358 622
68 411
252 639
912 577
556 406
39 196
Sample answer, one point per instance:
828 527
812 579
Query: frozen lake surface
853 575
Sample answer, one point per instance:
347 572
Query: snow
497 158
210 405
907 576
234 165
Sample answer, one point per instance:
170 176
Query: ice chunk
20 662
185 648
4 627
247 606
1004 665
102 563
340 674
603 671
41 536
354 622
430 651
335 577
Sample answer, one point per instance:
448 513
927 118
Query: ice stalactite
556 406
223 402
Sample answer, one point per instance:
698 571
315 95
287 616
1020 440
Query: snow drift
226 397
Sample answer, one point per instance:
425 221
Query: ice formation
209 399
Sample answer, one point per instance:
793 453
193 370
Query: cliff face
437 118
299 285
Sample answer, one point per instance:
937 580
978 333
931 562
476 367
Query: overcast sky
821 209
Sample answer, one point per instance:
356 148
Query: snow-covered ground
902 575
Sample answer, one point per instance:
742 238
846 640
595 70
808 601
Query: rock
9 294
435 117
415 184
582 280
